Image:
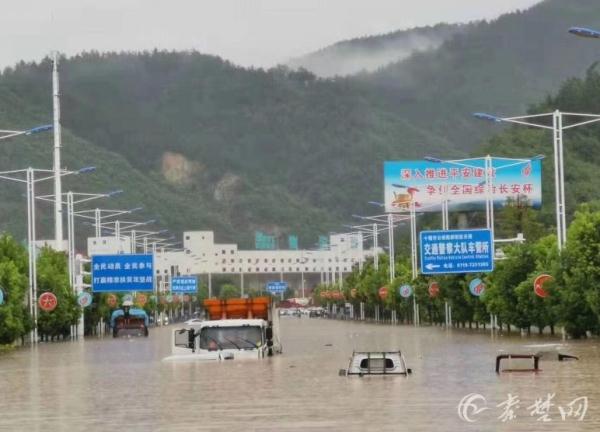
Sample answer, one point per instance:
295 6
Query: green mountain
203 144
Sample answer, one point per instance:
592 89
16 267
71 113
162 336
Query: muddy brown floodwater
111 384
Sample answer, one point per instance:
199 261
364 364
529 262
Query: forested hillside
204 144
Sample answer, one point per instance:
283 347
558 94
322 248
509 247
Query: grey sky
247 32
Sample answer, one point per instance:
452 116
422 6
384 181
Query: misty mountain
369 53
500 67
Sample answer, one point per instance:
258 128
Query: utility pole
58 226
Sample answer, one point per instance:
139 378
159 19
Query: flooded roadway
121 384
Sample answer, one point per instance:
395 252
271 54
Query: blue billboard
461 183
122 273
184 284
276 287
456 251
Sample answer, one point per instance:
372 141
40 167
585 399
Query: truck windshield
243 337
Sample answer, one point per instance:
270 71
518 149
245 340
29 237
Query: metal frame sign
456 251
122 273
184 284
462 185
277 287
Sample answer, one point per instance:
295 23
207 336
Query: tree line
572 295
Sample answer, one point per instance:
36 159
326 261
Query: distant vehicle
193 321
242 328
317 312
376 363
129 321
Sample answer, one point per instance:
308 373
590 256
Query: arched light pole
557 129
28 177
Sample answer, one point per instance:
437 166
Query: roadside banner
427 184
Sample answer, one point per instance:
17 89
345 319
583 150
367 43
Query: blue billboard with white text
184 284
456 251
122 273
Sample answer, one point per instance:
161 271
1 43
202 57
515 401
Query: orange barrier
239 308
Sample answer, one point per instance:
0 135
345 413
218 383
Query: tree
53 276
580 295
229 291
14 319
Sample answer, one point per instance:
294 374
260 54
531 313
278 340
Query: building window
266 260
290 269
187 237
202 237
266 269
249 260
103 242
224 261
224 270
297 260
94 242
274 260
305 268
231 251
345 259
232 260
314 260
232 269
241 260
297 269
274 269
257 269
249 269
282 260
223 251
289 260
329 259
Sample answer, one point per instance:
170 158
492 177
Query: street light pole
391 247
557 129
30 180
58 227
31 250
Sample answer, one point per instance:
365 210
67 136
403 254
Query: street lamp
5 134
585 32
557 129
101 214
392 221
489 169
27 176
72 199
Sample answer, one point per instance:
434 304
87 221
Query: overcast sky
247 32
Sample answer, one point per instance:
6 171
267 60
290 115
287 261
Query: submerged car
376 363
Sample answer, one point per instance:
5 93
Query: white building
202 256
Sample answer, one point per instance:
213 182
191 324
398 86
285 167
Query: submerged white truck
240 328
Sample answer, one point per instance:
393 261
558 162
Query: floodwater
111 384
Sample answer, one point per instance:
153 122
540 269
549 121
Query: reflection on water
108 384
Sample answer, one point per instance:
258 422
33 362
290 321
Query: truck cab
236 329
